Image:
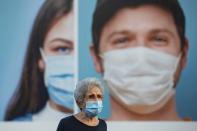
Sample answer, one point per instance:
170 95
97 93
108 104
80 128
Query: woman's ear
184 54
81 105
41 64
97 62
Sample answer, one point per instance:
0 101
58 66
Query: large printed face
59 41
147 25
60 38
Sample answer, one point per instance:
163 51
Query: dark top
72 124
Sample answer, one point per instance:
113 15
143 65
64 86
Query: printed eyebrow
61 40
156 31
123 32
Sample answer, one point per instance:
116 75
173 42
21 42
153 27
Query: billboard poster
126 62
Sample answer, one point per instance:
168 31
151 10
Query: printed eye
159 39
121 41
64 50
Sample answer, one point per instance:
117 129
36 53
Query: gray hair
83 86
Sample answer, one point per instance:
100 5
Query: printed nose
141 42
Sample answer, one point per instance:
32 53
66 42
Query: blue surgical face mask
93 108
59 79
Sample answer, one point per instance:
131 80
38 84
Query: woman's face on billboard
59 39
58 43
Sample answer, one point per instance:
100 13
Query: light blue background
16 19
186 92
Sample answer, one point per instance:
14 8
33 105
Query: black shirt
72 124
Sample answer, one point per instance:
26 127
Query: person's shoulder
67 119
63 124
102 125
102 122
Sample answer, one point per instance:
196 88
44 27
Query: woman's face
94 94
59 39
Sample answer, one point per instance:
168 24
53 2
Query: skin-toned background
187 87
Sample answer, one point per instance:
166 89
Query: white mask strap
42 54
180 55
101 56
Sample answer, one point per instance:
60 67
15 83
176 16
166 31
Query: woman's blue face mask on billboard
59 78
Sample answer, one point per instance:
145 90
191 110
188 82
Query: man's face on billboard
149 26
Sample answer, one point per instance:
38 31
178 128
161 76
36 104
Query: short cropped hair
106 9
84 86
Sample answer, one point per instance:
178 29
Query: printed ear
97 62
41 64
184 54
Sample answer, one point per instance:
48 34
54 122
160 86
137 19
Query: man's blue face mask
59 79
93 108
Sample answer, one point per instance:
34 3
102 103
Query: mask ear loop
42 54
180 55
176 66
101 56
179 58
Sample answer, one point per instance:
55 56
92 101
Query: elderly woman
89 96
